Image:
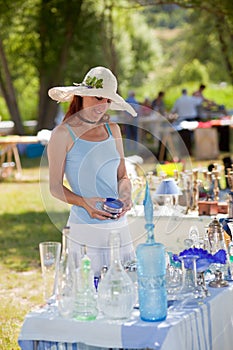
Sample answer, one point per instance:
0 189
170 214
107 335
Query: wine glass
49 257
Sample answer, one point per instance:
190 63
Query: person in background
209 105
199 93
186 108
145 107
87 149
158 104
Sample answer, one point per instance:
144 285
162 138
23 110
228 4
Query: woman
88 150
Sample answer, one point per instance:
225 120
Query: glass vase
189 288
116 293
66 278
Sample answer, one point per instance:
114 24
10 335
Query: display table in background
206 326
9 151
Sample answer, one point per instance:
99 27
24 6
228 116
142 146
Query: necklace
86 120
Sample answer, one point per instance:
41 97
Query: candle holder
195 192
218 281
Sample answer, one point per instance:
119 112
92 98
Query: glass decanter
151 271
66 278
116 293
217 242
85 302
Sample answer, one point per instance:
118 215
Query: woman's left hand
127 206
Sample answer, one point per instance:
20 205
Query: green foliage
166 16
149 48
190 72
137 48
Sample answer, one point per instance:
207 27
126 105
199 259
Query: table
170 230
167 133
9 150
208 326
6 127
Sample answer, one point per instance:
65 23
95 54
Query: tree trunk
52 72
225 48
8 91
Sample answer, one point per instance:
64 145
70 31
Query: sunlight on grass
20 292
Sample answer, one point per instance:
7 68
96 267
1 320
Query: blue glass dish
113 206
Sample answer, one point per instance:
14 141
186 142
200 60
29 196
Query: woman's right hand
93 207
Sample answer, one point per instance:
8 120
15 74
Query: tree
57 24
8 91
219 16
61 40
45 43
6 82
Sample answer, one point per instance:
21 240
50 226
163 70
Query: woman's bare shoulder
60 137
116 131
60 130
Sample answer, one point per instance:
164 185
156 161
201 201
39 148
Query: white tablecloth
170 230
206 327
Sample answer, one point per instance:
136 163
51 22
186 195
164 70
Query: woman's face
95 107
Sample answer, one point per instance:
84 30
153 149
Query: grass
24 222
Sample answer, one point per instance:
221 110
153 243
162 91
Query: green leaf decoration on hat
93 82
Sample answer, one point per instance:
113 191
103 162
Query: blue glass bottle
151 271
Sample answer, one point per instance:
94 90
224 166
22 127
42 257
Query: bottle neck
115 249
65 237
150 233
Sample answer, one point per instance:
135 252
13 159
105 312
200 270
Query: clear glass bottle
151 271
217 242
85 301
116 294
215 235
66 278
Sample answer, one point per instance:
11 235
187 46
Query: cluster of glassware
148 284
208 259
80 295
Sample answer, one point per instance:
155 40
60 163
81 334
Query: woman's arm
58 146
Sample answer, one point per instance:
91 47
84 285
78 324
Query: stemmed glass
49 257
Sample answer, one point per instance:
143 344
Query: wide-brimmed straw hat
100 82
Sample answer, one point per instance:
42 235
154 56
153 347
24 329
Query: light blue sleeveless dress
91 171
